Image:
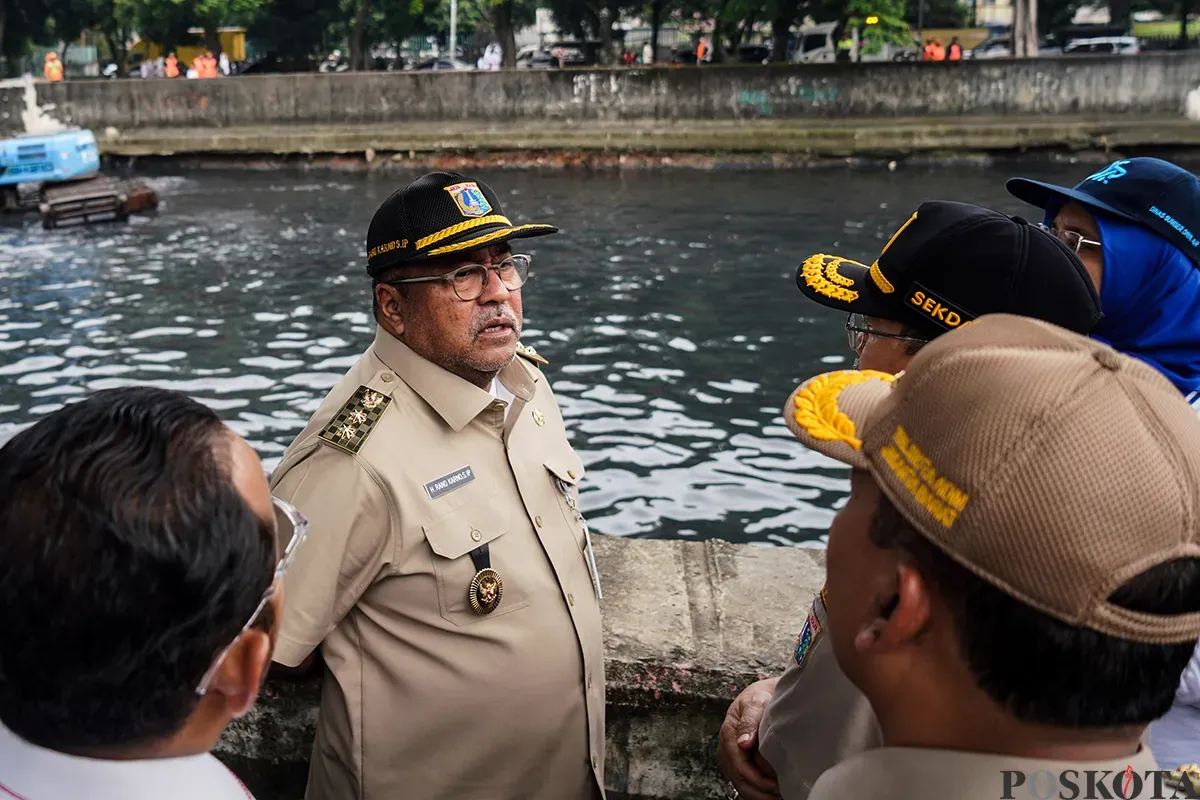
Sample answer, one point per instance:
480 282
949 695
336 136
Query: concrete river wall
1035 100
687 625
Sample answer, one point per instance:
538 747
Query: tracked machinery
58 175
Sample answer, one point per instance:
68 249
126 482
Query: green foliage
888 27
938 13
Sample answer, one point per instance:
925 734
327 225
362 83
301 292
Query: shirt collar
456 401
36 772
902 773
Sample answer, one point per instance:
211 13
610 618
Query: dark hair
128 560
1043 670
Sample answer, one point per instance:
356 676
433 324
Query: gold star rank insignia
351 426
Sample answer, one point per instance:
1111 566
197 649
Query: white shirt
29 772
499 391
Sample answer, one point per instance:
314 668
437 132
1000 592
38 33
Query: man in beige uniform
1014 583
947 265
448 579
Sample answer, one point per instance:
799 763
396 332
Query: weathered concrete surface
686 625
544 143
1152 84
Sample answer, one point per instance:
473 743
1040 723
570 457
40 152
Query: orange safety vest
955 52
172 68
53 71
939 53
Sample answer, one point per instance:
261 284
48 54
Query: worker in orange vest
53 69
927 51
955 51
701 51
171 68
939 52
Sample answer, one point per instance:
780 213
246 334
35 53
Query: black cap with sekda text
953 262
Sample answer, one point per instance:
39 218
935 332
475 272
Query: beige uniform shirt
905 773
423 697
816 718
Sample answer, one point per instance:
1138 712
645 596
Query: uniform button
537 521
476 536
593 760
539 417
571 474
387 377
570 598
497 406
589 681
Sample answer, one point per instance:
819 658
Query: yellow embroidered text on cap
941 498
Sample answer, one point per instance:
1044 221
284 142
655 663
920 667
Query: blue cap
1148 191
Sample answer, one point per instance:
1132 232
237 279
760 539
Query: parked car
444 64
1107 45
533 58
1001 47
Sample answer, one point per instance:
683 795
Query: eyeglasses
1072 239
857 331
287 517
469 281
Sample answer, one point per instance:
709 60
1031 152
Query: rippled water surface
667 309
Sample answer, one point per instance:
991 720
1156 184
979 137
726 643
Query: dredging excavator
58 175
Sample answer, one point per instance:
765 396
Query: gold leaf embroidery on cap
821 275
351 426
816 406
942 499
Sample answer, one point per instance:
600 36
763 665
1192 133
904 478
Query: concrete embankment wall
1154 84
686 624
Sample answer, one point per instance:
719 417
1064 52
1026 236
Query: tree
1025 29
937 13
294 29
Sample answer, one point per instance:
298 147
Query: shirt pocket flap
566 466
461 531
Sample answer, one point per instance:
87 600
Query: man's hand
737 745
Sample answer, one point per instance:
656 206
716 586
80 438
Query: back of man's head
1022 541
128 560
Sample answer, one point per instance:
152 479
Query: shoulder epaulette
351 426
530 354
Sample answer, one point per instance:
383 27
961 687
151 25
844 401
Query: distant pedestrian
223 63
955 53
140 578
702 53
53 70
647 53
939 50
171 66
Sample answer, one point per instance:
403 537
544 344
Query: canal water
667 309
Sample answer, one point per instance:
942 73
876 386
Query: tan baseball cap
1048 464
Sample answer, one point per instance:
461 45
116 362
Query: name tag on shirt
448 483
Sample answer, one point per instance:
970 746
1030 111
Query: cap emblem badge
469 199
1110 173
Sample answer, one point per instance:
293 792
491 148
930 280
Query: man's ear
902 615
391 308
242 672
